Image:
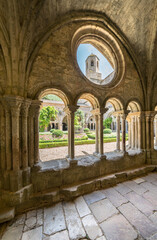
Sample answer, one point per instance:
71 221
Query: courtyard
127 211
48 154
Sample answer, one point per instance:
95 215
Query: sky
84 50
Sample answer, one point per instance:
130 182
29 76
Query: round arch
134 106
54 91
116 103
89 97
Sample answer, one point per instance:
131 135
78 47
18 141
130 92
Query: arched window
97 64
92 63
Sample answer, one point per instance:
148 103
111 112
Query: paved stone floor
124 212
48 154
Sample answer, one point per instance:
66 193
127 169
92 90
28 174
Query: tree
46 115
80 117
107 122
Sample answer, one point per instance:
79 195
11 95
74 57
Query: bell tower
92 68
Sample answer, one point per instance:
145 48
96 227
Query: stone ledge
7 214
69 193
55 174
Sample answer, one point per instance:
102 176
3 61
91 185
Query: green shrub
61 144
77 128
52 130
92 136
86 130
57 133
65 132
107 131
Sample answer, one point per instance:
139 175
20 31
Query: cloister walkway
127 211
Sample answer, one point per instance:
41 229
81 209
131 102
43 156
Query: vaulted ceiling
23 23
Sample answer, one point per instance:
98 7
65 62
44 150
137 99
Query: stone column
31 136
139 132
143 131
98 113
133 132
118 132
2 139
136 133
152 131
24 133
15 104
155 130
124 115
70 111
101 136
96 134
36 105
129 132
8 137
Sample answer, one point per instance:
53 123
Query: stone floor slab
82 207
151 177
135 187
54 219
141 203
139 180
153 218
32 213
103 210
39 217
145 227
13 233
73 221
91 226
33 234
151 196
101 238
149 186
117 228
30 223
154 237
122 189
63 235
94 197
115 197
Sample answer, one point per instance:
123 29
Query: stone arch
116 103
89 97
134 124
134 106
54 91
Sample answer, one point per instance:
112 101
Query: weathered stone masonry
38 45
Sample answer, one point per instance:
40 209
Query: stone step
6 214
71 192
67 193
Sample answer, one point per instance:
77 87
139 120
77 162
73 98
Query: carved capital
14 103
150 114
124 114
99 111
69 109
24 107
35 108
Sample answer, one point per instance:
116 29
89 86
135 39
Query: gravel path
48 154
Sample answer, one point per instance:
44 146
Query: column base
117 150
72 162
15 180
26 176
101 156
